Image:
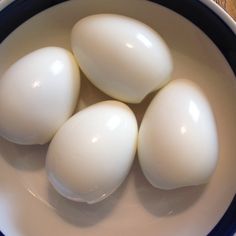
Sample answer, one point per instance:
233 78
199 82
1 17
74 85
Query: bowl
202 39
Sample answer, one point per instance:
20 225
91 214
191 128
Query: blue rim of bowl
210 18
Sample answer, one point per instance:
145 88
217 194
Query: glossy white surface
38 93
177 143
5 3
92 153
121 56
29 206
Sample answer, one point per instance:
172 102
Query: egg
178 143
121 56
38 93
92 153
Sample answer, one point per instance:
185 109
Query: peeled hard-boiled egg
92 153
123 57
177 144
38 93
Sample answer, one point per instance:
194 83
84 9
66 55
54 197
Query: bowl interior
136 208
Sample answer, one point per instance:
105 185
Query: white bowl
28 204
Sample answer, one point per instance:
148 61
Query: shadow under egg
165 203
82 214
23 157
89 94
139 109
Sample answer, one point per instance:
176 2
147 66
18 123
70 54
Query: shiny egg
123 57
178 143
92 153
38 93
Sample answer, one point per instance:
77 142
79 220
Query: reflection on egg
37 95
121 56
91 154
177 143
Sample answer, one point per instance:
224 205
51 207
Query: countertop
229 6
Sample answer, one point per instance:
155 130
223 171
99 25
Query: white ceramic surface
28 204
4 3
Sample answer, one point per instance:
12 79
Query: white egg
38 93
178 144
123 57
93 151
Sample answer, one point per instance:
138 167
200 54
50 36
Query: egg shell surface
92 153
178 143
38 93
121 56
